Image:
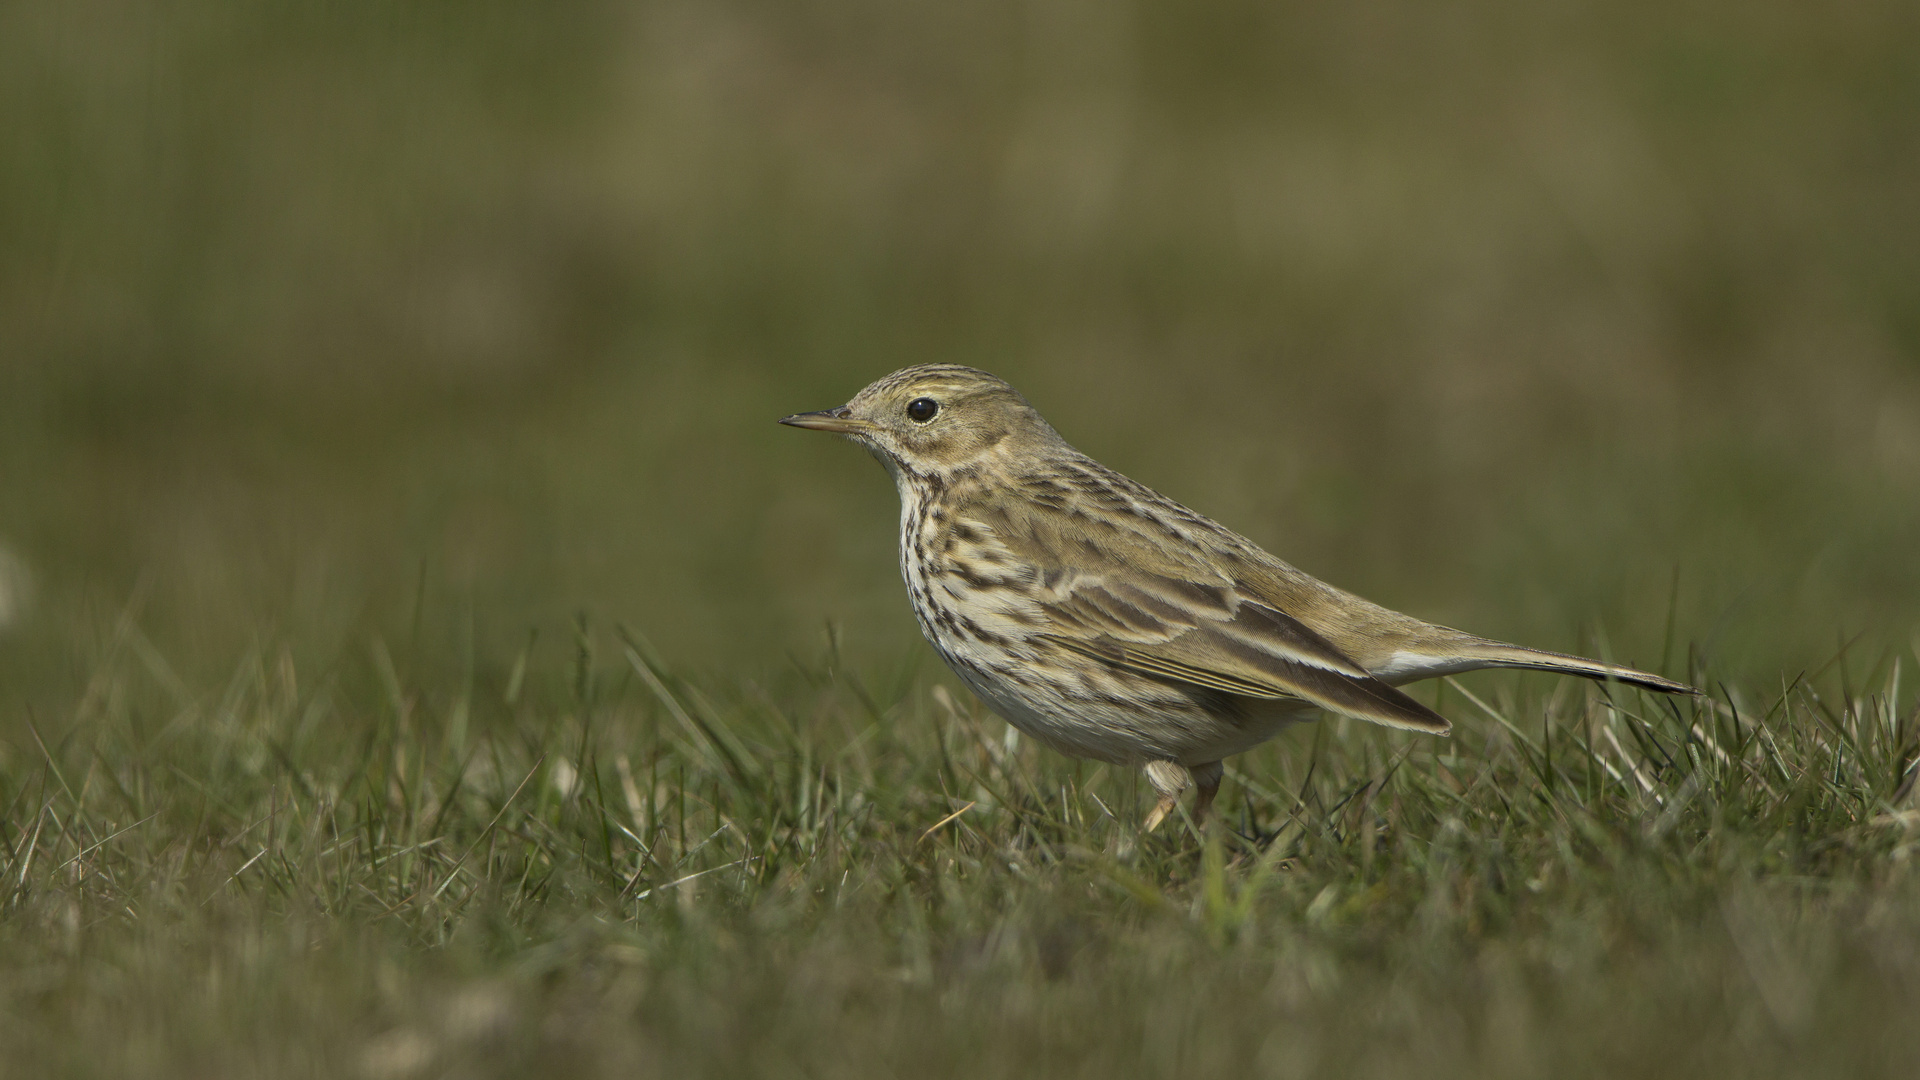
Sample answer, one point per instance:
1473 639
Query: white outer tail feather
1408 665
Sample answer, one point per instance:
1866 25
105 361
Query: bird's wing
1110 591
1143 624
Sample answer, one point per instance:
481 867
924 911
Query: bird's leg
1169 779
1161 809
1206 779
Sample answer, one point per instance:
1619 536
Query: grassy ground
366 366
573 860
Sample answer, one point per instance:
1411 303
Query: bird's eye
922 409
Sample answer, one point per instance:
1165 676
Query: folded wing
1215 637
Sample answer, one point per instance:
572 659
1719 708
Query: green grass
575 860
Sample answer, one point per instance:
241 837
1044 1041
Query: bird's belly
981 623
1113 716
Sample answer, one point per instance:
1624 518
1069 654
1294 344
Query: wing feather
1113 588
1241 647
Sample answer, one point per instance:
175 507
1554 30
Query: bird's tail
1498 654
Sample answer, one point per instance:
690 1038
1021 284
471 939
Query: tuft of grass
586 860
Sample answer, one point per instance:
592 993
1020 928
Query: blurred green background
453 320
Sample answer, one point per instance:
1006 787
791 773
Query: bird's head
936 419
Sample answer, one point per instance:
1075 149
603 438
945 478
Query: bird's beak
839 421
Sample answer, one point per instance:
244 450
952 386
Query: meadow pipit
1110 622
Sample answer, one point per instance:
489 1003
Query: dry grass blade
491 825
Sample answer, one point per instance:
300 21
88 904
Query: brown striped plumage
1109 621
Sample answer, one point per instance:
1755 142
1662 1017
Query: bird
1110 622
